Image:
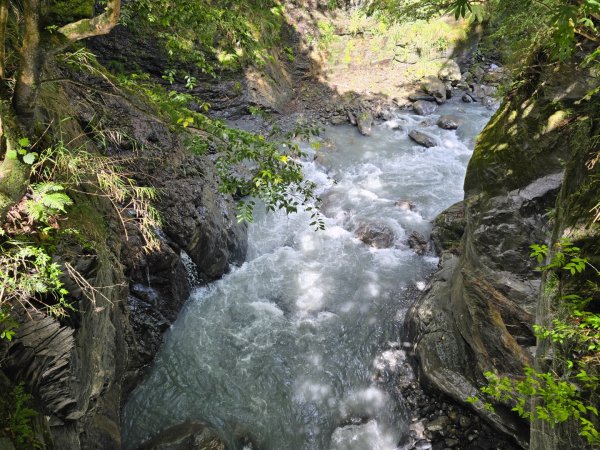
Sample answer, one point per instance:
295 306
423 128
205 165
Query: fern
48 199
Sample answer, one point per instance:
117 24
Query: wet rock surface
376 235
424 107
186 436
364 122
437 423
422 138
418 243
478 311
449 122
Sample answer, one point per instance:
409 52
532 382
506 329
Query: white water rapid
289 349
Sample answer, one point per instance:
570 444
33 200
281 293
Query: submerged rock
418 243
376 235
185 436
467 98
424 108
405 205
422 138
427 122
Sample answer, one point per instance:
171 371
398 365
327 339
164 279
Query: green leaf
11 154
29 158
24 142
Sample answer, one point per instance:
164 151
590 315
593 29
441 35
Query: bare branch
95 26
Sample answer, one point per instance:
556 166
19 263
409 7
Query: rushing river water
289 348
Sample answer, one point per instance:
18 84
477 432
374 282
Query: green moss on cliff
539 127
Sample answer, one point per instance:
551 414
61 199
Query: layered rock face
479 312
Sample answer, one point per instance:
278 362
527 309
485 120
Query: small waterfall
190 268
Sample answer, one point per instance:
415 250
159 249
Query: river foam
289 347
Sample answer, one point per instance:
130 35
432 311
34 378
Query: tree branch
95 26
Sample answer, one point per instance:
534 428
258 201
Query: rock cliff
479 311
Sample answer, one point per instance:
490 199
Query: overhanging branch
95 26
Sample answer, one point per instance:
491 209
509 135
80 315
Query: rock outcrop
479 312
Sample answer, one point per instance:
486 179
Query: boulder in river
428 122
422 138
185 436
364 121
436 88
448 122
416 96
376 235
481 91
424 108
450 71
467 98
405 205
418 243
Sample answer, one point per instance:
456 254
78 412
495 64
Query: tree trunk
3 22
30 66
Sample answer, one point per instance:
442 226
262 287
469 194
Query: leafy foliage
517 30
31 279
48 199
215 34
15 418
78 170
265 167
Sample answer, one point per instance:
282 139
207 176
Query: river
295 347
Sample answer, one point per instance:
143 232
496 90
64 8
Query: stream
297 347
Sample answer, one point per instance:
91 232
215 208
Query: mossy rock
532 135
65 11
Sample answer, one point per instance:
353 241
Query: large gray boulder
449 122
422 138
435 87
424 108
450 71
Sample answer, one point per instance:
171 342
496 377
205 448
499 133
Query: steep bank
479 312
80 368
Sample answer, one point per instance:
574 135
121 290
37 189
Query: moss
66 11
521 143
86 217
